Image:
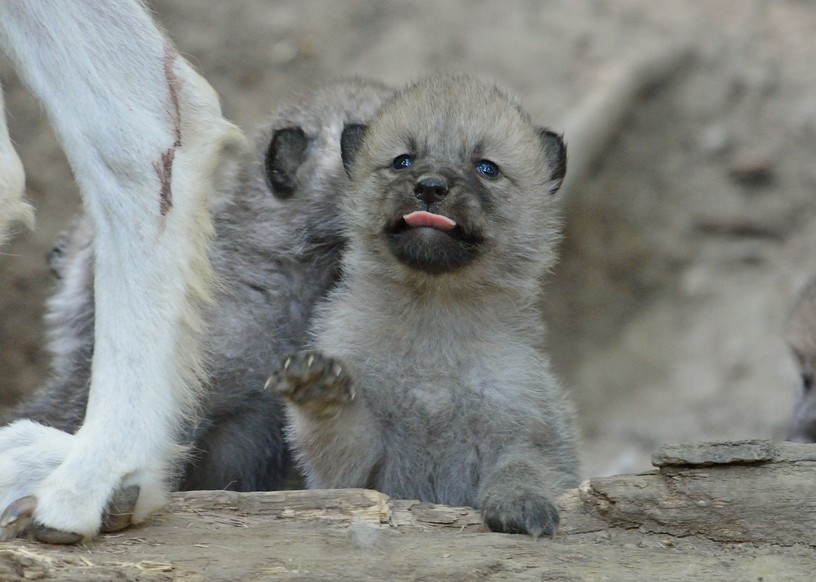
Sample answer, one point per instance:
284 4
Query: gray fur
275 255
426 380
801 336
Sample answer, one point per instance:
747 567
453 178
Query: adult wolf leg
143 134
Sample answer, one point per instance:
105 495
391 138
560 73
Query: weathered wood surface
736 511
749 491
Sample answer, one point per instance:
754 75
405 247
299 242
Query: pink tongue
422 218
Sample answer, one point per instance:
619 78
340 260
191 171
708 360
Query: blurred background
686 241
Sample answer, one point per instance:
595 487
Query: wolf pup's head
452 174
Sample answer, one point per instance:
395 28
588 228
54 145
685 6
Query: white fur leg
143 134
12 182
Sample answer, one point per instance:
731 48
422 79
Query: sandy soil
684 248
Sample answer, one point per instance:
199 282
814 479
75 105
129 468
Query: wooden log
744 491
738 511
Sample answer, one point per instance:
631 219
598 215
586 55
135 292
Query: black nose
431 189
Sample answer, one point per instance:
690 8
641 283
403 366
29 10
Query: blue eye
487 169
403 161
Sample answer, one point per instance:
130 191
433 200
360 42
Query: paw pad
314 381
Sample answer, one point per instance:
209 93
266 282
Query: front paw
30 453
18 518
525 513
312 381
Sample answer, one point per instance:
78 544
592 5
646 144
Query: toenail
22 508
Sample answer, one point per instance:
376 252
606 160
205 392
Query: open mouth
432 243
422 219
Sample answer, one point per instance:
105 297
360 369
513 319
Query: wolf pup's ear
556 151
286 152
350 141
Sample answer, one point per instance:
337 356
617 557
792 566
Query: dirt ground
684 247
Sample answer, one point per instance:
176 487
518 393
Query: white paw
59 489
29 452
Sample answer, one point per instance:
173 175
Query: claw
119 512
23 508
17 517
268 383
49 535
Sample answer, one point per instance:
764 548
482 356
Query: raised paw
525 514
311 380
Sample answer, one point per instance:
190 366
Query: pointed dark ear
350 141
556 151
286 152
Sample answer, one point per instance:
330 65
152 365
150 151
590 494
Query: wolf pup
425 379
801 336
276 253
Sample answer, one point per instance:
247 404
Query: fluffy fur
275 254
425 380
144 136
